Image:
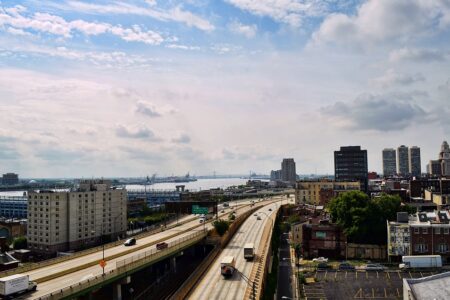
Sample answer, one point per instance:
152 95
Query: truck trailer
227 266
249 251
421 261
15 285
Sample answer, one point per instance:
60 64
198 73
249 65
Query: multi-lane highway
74 277
213 285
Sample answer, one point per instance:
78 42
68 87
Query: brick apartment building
323 239
424 233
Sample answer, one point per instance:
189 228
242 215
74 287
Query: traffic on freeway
232 285
71 278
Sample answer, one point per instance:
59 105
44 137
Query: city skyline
113 89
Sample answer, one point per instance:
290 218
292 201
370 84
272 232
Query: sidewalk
295 286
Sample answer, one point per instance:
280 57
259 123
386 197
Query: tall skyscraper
389 162
444 157
414 161
350 163
402 160
288 170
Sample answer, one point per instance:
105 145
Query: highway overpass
81 274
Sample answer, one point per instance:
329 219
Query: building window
421 248
437 230
446 230
424 230
406 239
442 248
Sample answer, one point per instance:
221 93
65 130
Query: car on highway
346 266
270 209
320 259
255 215
374 267
161 246
258 218
222 211
201 220
130 242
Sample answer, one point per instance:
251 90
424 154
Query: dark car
323 266
130 242
161 246
346 266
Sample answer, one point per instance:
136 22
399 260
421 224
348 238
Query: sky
133 88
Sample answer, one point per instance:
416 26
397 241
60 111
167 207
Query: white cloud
393 78
18 32
286 11
417 55
176 14
182 47
183 138
56 25
380 21
135 132
147 109
248 31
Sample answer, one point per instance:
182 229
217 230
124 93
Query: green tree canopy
221 226
20 243
364 219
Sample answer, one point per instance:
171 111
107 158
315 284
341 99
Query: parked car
320 259
323 266
346 266
130 242
374 267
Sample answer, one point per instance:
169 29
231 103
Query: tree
20 243
221 226
363 219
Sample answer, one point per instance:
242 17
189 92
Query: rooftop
431 287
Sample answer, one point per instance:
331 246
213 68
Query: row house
424 233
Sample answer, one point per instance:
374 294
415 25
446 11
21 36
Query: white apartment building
63 221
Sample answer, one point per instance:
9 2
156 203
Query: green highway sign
197 210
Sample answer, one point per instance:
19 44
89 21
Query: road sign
102 263
199 210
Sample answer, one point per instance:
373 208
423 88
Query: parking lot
358 284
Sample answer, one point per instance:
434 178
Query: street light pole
248 281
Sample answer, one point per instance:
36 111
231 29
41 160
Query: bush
221 226
20 243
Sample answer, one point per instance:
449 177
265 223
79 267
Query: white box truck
421 261
249 251
227 266
13 285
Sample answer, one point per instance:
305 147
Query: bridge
80 274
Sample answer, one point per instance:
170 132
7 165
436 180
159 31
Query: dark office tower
403 160
288 170
414 161
389 162
350 163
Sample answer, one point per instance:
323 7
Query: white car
320 259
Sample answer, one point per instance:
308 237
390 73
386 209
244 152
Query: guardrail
260 268
125 266
204 266
57 260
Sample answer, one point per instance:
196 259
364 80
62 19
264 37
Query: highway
212 284
61 281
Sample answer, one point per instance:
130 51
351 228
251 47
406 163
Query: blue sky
129 88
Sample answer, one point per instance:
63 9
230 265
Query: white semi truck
15 285
249 251
421 261
227 266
